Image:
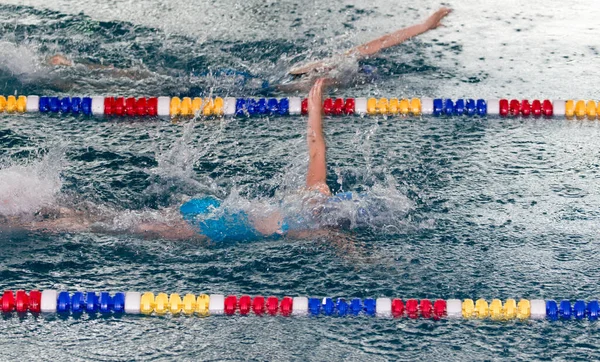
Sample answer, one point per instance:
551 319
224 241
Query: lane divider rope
175 107
63 302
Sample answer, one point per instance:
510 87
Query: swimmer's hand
315 97
434 20
60 60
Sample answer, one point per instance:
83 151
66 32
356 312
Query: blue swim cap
341 196
368 69
223 225
362 213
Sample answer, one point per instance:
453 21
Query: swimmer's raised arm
400 36
384 42
317 157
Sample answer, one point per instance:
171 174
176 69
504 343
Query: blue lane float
449 108
579 309
564 309
105 303
65 105
593 308
77 302
342 307
75 105
54 104
470 107
459 107
356 306
438 107
482 107
91 302
314 306
328 306
552 310
86 106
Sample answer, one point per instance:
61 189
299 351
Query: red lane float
338 106
272 305
349 106
328 106
412 308
152 106
258 305
305 106
503 107
514 107
140 107
397 308
426 308
130 108
119 106
536 108
245 304
286 306
8 301
525 108
22 301
108 105
439 309
547 108
35 301
230 304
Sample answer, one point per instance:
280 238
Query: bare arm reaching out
384 42
400 36
64 220
317 153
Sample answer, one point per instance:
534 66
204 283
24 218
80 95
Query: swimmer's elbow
368 49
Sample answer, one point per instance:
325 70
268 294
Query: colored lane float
65 303
189 107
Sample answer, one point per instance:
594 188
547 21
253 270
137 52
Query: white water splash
27 188
176 164
378 201
20 60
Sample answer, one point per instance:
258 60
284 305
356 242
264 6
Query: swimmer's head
368 69
60 60
344 210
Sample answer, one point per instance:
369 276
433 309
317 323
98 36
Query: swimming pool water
484 208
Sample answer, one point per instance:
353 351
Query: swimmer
319 211
316 196
302 77
206 218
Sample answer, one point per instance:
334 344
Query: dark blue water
483 208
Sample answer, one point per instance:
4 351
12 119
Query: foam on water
176 162
26 188
378 201
21 60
